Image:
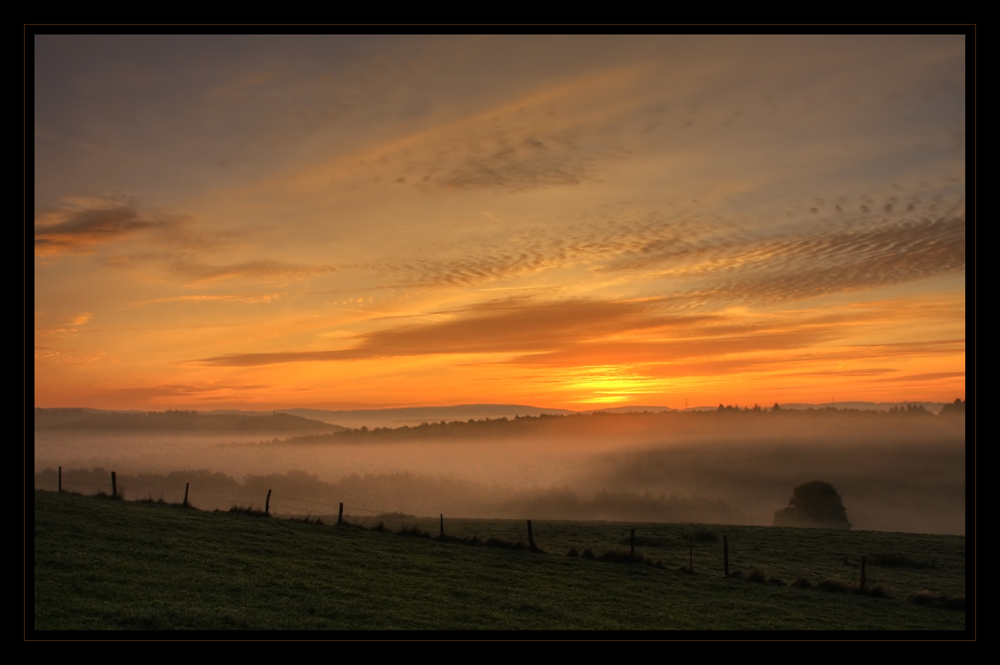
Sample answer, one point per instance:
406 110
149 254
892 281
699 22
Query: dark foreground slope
101 564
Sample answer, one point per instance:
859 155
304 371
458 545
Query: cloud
506 326
718 262
589 353
259 269
48 355
931 376
81 318
71 327
195 271
81 230
247 299
517 162
204 391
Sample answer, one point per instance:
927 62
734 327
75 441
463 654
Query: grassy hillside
110 565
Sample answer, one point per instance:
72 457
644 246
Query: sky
578 222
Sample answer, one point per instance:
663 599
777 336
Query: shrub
898 560
940 600
249 510
815 504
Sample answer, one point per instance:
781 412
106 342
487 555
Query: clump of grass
505 544
898 560
776 581
346 522
627 557
644 541
380 527
150 499
802 583
448 538
877 591
473 540
756 575
587 554
413 531
939 600
738 574
308 519
834 585
572 552
704 535
249 510
618 557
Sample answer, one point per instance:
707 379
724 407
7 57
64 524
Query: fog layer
901 472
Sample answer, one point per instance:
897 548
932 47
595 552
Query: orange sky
566 222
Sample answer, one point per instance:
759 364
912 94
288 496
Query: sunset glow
264 222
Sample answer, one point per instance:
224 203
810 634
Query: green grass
113 565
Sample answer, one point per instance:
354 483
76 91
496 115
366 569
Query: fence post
60 480
187 486
725 554
114 486
531 536
340 515
632 543
862 572
267 503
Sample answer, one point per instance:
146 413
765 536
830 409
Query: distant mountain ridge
177 421
302 419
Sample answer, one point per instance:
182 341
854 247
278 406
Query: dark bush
815 504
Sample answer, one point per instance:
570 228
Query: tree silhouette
956 408
815 504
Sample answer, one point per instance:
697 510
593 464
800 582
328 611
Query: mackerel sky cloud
563 221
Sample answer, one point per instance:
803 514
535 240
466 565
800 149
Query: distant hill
632 409
417 415
177 421
933 407
306 420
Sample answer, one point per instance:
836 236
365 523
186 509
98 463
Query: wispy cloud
194 271
231 297
509 326
266 270
70 327
82 230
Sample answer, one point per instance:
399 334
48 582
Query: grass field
101 564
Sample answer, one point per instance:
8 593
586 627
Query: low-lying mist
894 472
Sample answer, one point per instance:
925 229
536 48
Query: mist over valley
896 471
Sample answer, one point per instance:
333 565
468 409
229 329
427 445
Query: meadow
103 564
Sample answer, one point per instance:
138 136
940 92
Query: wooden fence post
340 515
60 480
531 536
267 503
632 543
187 486
725 554
114 486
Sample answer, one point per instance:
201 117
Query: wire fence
206 498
